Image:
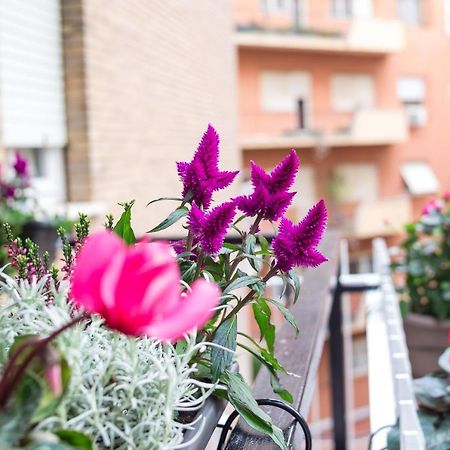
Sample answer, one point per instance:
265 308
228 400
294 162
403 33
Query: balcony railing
376 37
320 311
368 127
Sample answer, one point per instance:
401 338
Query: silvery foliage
124 393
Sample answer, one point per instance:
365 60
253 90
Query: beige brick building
140 84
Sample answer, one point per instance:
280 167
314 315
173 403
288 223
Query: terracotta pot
427 338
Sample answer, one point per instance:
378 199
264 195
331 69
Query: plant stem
189 240
11 378
249 297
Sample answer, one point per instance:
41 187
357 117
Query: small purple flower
210 228
20 165
296 245
8 191
202 176
270 196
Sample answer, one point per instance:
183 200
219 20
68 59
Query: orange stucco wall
423 56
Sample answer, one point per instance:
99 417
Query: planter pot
427 338
205 422
43 234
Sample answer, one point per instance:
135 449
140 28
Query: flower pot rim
426 319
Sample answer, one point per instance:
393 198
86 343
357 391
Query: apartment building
360 88
104 96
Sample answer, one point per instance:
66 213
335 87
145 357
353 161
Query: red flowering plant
147 288
425 261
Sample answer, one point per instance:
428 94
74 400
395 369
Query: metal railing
320 311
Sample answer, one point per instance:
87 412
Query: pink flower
136 289
446 196
434 205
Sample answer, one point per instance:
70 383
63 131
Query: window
47 173
355 182
419 178
410 11
342 9
32 104
278 6
305 184
411 92
287 92
447 16
351 92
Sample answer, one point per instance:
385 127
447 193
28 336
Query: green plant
426 262
127 393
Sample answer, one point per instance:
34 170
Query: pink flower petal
194 310
93 261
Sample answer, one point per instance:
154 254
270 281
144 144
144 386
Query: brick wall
155 77
77 152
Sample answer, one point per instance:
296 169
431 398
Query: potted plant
20 210
432 393
121 311
425 293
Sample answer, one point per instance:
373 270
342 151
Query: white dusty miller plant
124 393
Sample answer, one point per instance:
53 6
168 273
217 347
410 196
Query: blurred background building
104 96
361 89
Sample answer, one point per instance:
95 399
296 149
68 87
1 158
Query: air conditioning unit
417 115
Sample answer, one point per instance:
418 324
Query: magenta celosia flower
271 196
210 228
136 289
201 176
296 245
20 165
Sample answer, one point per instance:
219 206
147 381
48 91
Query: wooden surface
299 355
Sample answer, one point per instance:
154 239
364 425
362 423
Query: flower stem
249 297
11 377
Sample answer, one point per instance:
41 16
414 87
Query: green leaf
264 244
165 198
286 313
279 389
173 217
188 274
123 226
274 380
241 282
225 337
241 397
75 439
232 247
16 417
262 315
295 280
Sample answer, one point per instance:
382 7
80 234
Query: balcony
369 127
375 37
382 217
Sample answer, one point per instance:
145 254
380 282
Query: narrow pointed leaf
241 282
225 337
123 227
165 198
173 217
241 397
286 313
